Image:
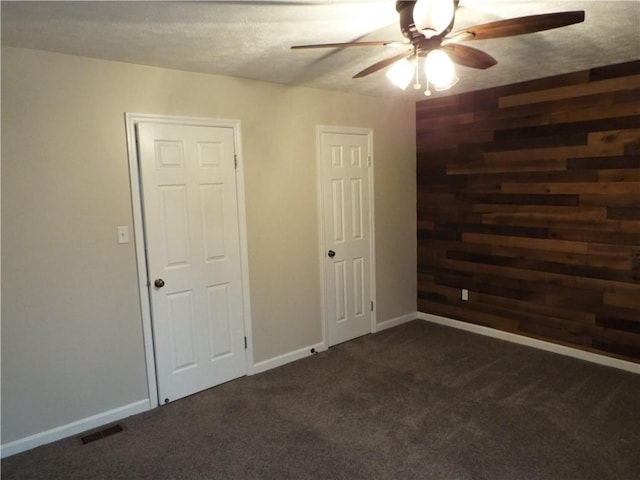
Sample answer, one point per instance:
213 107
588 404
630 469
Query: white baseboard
280 360
533 342
116 414
283 359
394 322
74 428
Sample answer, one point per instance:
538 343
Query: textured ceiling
251 39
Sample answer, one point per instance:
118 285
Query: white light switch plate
123 234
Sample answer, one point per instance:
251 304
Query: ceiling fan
427 26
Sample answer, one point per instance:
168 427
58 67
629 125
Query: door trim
321 129
131 120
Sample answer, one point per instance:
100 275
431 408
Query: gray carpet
418 401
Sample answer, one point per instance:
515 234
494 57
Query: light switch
123 234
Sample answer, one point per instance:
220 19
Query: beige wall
72 343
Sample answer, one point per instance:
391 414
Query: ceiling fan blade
521 25
389 43
381 64
469 56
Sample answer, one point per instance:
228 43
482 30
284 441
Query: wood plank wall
529 197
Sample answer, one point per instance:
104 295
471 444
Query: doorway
345 158
187 184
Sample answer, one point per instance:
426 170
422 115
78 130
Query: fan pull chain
417 85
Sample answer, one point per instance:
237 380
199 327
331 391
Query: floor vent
105 432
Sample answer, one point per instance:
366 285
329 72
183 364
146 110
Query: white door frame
132 119
321 129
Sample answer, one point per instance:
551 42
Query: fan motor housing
407 27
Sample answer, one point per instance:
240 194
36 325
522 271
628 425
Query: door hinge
245 343
369 161
235 161
372 305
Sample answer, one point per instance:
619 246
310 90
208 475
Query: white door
190 212
346 189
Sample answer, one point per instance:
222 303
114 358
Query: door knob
331 253
159 283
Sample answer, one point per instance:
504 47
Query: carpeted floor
419 401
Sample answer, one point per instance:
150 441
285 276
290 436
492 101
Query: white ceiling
251 39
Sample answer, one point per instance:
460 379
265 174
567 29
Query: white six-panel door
190 213
345 182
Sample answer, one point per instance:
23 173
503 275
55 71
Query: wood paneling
529 197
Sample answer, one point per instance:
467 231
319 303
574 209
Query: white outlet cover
123 234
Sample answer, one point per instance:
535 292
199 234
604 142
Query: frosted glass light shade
401 73
432 17
440 71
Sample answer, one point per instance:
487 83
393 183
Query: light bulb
432 17
401 73
440 70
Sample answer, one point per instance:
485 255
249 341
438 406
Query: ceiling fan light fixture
427 26
440 71
401 73
432 17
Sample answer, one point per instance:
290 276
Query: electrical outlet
465 294
123 234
